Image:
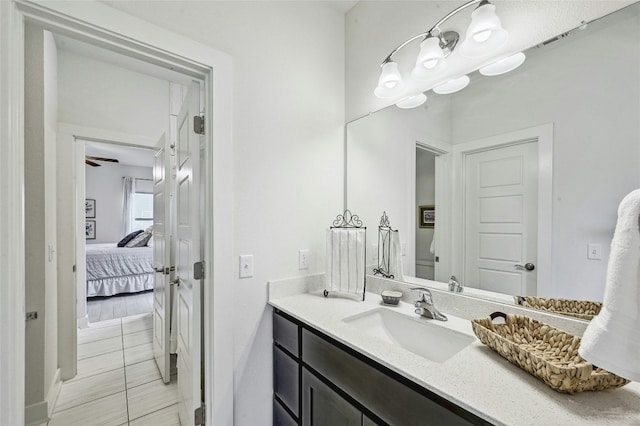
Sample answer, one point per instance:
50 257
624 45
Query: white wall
104 96
41 362
104 184
288 138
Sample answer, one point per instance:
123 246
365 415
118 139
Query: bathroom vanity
331 368
319 380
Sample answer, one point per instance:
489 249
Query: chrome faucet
454 285
425 305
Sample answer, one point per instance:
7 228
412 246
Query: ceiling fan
91 160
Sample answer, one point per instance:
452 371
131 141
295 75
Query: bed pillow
139 240
123 242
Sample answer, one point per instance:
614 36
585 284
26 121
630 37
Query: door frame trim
544 136
100 24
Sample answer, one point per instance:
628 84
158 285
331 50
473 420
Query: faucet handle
425 295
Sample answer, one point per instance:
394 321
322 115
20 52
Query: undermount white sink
420 336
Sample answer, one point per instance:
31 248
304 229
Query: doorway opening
119 219
92 96
425 204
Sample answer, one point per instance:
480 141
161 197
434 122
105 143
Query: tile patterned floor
118 382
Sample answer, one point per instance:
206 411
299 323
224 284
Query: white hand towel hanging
395 263
345 260
612 341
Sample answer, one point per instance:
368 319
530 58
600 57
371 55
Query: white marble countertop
476 378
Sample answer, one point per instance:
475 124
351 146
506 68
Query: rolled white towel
395 262
612 340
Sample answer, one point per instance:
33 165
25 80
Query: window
142 210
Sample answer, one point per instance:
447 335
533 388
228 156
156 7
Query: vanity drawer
281 417
285 333
388 398
285 379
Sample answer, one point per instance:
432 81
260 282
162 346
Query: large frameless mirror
512 184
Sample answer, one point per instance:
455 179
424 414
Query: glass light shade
431 55
485 33
452 86
412 101
390 82
503 65
390 76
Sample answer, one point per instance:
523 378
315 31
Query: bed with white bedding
113 270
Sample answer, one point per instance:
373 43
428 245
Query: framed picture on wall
426 216
90 208
90 230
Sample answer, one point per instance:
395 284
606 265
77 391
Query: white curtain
129 188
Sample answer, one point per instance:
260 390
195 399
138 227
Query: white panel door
189 311
161 257
500 219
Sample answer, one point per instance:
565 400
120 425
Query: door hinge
199 414
198 124
198 270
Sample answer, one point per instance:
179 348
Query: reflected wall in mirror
524 168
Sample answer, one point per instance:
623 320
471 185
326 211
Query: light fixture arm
435 27
456 10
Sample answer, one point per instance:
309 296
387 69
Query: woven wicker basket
582 309
544 351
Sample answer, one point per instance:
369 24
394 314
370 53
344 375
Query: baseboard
54 391
83 322
39 413
36 414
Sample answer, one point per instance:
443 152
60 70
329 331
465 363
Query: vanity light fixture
412 101
452 86
390 83
484 35
503 65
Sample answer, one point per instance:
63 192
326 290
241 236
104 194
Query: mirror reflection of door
500 218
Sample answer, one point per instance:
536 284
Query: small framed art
90 208
426 216
90 230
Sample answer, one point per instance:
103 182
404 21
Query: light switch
303 259
246 266
594 251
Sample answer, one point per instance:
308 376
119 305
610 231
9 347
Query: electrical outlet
303 259
594 251
246 266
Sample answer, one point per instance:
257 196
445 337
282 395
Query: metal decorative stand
346 221
384 247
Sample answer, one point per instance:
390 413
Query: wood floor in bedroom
122 305
118 382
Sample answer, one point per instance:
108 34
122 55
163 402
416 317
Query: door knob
526 267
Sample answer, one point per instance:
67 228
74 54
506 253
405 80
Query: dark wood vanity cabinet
339 386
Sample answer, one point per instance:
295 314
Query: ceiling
126 155
342 6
